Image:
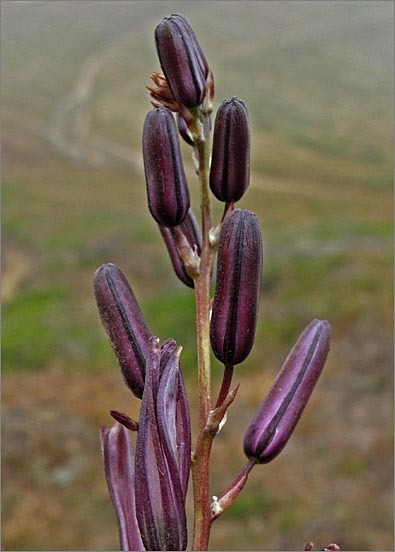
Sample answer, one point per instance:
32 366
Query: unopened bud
280 411
168 196
236 299
191 230
182 60
124 324
185 133
230 165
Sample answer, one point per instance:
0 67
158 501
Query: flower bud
163 450
119 469
168 196
191 230
182 60
124 324
183 130
230 165
236 298
280 411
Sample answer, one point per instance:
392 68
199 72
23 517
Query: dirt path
69 131
69 128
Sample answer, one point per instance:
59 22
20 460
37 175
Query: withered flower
163 451
119 469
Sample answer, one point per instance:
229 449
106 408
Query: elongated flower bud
182 60
191 230
163 451
236 298
183 130
168 196
230 165
124 324
280 411
119 469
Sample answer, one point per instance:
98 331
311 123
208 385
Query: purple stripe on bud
230 165
236 299
124 324
163 451
119 469
182 60
280 411
168 195
191 230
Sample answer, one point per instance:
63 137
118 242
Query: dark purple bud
168 196
119 469
230 165
191 230
183 130
163 451
182 60
125 420
280 411
236 298
124 324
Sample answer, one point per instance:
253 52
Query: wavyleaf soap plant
148 486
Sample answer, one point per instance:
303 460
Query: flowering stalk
200 465
149 489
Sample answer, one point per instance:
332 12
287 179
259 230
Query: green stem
200 464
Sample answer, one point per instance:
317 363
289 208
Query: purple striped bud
182 60
230 165
280 411
163 450
236 298
168 196
124 324
191 230
119 469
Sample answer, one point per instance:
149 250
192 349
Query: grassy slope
316 80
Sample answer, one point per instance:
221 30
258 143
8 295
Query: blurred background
317 80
